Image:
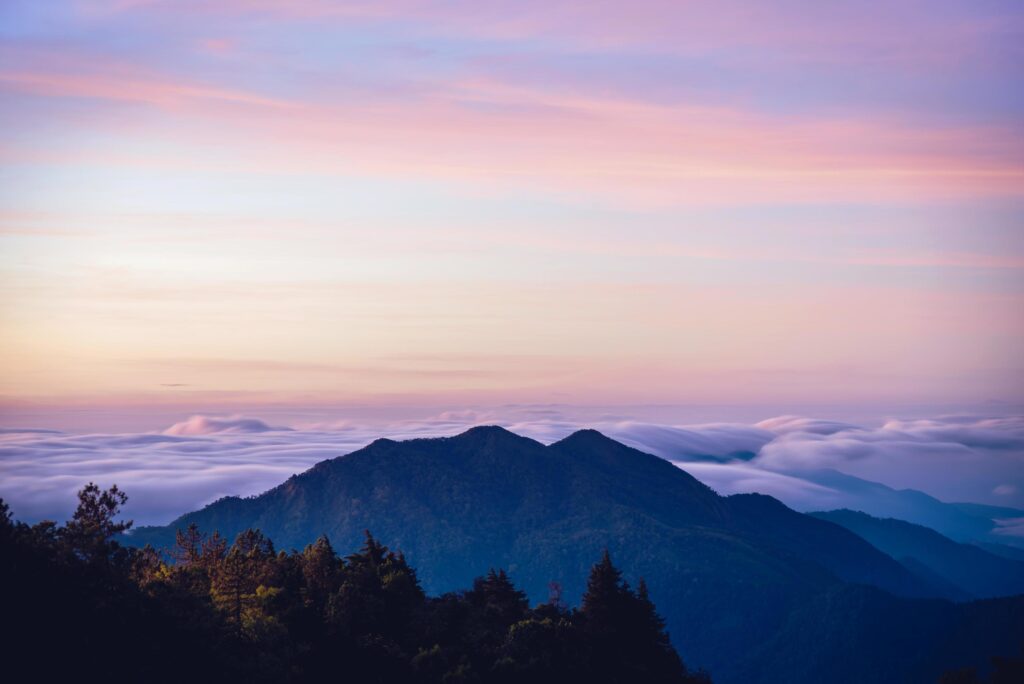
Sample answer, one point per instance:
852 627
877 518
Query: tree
1008 670
214 549
321 572
604 597
498 598
652 624
240 574
92 528
147 567
188 545
967 675
6 522
626 632
378 593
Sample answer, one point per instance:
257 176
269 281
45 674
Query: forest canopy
209 610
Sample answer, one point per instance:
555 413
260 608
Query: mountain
1001 550
725 571
855 633
971 523
978 573
986 511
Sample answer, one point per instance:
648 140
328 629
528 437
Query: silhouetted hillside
978 573
726 570
968 523
80 607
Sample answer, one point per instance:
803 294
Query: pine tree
967 675
627 634
188 545
7 527
214 549
321 571
498 598
147 567
371 554
1008 670
91 530
238 576
648 619
603 599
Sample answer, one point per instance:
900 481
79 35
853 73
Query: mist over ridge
808 464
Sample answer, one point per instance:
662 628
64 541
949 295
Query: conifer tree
498 597
238 576
321 571
652 624
214 548
188 545
92 528
603 599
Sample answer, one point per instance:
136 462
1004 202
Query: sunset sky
226 203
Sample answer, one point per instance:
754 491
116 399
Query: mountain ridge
978 573
722 568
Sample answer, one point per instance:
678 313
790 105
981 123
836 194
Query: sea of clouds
807 463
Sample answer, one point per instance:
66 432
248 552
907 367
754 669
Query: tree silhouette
92 528
188 545
207 612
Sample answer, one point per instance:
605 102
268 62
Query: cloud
1010 527
715 442
207 425
808 464
954 458
991 433
164 475
128 88
786 424
796 32
741 478
688 154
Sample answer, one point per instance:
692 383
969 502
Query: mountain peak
588 437
487 430
488 433
490 437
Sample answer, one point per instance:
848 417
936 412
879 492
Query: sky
769 241
222 205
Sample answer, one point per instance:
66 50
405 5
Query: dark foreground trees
78 605
1004 671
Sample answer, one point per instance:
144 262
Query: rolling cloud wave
809 464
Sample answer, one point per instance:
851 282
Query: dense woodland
78 604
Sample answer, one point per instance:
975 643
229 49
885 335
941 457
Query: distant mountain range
969 568
964 522
751 590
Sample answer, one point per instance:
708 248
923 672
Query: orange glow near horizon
287 203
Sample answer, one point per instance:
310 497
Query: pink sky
460 203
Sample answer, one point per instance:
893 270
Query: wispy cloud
653 200
799 31
127 87
485 130
211 425
202 458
